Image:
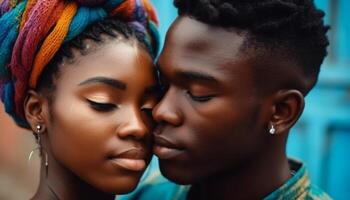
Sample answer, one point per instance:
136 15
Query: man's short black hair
291 29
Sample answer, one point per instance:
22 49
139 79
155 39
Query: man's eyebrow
104 80
195 76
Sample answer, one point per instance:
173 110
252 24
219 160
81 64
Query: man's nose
166 110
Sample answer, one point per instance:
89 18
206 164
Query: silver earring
46 160
31 154
272 129
38 128
42 150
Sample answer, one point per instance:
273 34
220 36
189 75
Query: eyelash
199 98
101 107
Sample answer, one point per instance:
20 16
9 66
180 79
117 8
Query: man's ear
35 109
287 107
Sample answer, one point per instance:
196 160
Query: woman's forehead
118 60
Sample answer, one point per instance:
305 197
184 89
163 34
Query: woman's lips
165 149
130 159
130 164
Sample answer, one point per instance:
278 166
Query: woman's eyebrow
105 80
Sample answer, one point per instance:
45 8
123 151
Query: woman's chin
120 187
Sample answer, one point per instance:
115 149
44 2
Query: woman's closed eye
101 106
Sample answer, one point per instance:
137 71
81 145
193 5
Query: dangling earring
272 129
38 133
31 154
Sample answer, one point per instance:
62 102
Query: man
235 74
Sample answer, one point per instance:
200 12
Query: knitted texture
32 31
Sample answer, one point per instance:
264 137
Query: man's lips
132 158
162 141
165 149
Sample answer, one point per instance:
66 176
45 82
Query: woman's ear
287 107
35 109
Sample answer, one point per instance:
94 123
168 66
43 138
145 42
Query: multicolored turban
32 31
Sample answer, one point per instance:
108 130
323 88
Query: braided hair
291 29
37 34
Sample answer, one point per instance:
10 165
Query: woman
80 75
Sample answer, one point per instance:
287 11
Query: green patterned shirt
154 186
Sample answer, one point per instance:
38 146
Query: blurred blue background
321 138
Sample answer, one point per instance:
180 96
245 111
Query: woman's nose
133 125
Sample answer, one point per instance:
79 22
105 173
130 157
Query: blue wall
321 138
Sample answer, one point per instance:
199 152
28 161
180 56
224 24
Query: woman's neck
58 183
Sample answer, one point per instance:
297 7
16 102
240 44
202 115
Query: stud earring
272 129
38 128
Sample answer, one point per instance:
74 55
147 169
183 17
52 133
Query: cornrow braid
293 27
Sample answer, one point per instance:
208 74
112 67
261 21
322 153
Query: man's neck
253 181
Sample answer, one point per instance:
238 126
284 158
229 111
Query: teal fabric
154 186
84 17
298 186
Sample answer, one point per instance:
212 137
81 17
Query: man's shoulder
298 186
315 193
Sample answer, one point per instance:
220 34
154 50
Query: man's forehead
190 35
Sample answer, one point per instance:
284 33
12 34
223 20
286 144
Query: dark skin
96 130
214 119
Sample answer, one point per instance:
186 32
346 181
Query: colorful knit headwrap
32 31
